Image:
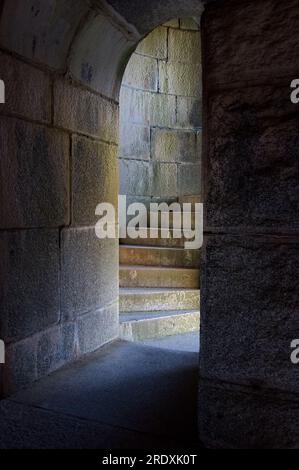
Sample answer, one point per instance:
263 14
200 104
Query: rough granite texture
82 111
98 328
34 167
249 311
250 171
160 114
260 43
147 15
27 90
89 272
232 417
39 355
43 35
94 178
29 267
101 67
252 168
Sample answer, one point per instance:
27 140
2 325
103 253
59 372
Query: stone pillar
249 388
58 146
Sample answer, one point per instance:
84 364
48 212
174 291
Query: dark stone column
249 388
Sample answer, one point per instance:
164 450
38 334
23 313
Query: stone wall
59 282
58 146
161 115
249 313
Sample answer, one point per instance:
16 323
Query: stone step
159 219
144 325
175 239
190 199
157 256
153 300
154 242
146 276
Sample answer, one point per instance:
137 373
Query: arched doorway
160 169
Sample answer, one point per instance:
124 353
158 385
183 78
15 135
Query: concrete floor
126 395
188 342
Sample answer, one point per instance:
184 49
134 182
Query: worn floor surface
188 342
126 395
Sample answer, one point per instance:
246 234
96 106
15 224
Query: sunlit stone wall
160 115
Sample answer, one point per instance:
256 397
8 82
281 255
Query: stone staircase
159 289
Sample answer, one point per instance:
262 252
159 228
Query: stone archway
62 66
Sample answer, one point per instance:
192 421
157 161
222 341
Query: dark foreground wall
249 391
63 62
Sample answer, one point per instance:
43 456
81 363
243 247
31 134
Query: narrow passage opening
160 170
